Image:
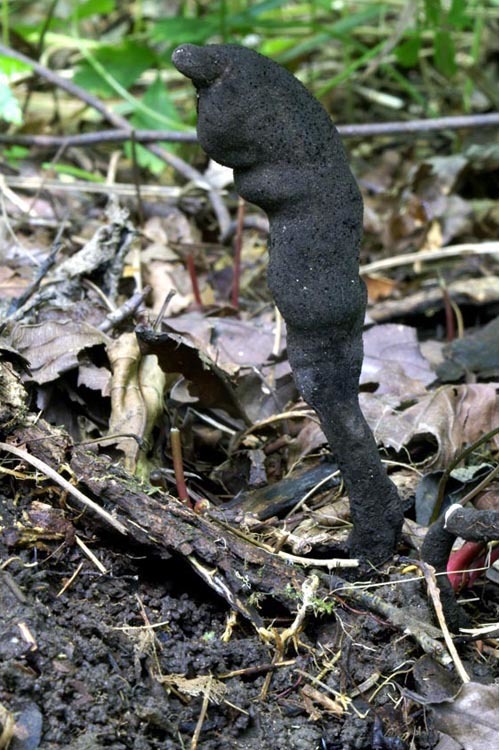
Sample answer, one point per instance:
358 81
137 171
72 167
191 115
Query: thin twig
420 126
126 310
98 137
52 474
450 468
429 574
238 244
468 248
350 130
424 633
331 563
29 183
202 714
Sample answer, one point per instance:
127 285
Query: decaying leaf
478 353
211 384
472 717
136 395
52 347
106 248
393 360
13 397
451 417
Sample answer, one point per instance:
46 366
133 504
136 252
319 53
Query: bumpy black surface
257 118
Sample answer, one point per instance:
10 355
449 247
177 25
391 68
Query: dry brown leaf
453 416
209 383
95 378
11 283
472 718
163 268
228 340
379 287
136 395
52 347
393 360
478 352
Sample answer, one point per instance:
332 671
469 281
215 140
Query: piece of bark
257 118
230 562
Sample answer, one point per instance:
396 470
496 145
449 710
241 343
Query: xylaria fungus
287 157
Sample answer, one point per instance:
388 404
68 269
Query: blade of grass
137 105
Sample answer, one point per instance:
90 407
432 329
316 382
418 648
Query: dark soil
91 660
145 655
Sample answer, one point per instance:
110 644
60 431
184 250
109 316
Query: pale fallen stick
434 591
88 552
52 474
118 188
331 562
468 248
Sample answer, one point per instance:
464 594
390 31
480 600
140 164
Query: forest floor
169 623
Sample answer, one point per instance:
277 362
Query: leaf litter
257 457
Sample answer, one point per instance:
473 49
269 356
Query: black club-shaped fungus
287 157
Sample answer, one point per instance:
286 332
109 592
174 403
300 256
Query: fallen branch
350 130
424 633
233 564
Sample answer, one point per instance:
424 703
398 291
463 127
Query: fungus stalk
287 157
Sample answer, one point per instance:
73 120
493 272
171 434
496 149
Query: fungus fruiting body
287 157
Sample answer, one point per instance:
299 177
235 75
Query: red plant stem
450 326
178 466
194 279
237 253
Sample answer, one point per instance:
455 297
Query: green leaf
277 47
9 66
71 171
10 111
157 99
15 153
145 158
179 30
94 7
433 12
340 30
264 7
124 62
445 53
407 53
457 16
